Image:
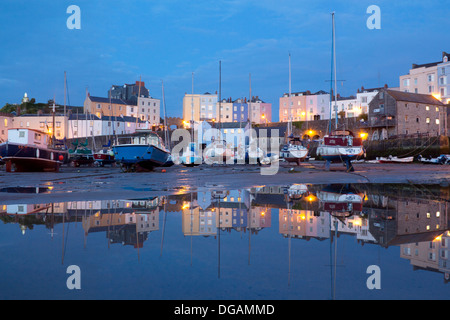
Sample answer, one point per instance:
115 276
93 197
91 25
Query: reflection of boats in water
297 191
141 150
31 150
341 200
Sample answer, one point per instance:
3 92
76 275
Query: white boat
294 151
392 159
442 159
341 146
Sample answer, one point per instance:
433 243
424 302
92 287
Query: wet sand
87 183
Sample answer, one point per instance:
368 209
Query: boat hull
104 158
339 153
30 158
145 156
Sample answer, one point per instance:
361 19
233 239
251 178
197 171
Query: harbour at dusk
224 159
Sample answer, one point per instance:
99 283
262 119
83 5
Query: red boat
104 156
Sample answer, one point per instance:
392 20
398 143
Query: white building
147 109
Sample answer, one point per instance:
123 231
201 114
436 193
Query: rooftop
414 97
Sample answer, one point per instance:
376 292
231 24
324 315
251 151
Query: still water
282 242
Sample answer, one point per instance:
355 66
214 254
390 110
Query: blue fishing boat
143 150
29 150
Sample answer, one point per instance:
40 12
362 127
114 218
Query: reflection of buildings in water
125 221
396 221
209 211
429 255
418 223
305 224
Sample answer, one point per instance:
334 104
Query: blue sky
120 41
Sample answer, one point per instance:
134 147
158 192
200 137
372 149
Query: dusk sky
120 41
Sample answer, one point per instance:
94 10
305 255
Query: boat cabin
343 138
142 137
29 137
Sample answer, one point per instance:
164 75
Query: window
437 121
431 77
427 108
405 83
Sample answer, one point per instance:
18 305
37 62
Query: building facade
443 70
305 106
396 113
129 92
424 78
199 107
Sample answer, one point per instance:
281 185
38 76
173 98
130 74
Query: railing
379 123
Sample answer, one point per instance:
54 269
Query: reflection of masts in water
64 240
218 251
191 221
137 237
289 241
333 264
164 227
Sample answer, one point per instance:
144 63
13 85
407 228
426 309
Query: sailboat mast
331 77
250 99
192 108
289 110
334 63
166 133
65 120
137 103
220 96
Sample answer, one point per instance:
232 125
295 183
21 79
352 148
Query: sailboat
293 151
339 145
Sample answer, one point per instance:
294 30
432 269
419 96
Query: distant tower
25 98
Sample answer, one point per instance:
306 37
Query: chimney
385 86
